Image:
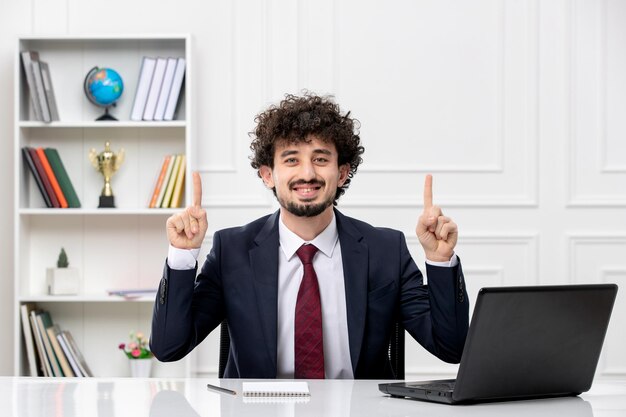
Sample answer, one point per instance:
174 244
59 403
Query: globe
104 87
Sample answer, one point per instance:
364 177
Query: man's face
305 176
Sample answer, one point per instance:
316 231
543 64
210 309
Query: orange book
159 183
52 178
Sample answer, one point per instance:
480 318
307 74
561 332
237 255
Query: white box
62 281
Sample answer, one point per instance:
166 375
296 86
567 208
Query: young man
307 291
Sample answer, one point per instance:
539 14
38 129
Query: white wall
515 106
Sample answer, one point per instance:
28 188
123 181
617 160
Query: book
61 175
179 186
172 100
29 338
170 184
276 389
41 92
82 364
44 178
30 80
69 355
143 87
43 322
134 293
58 351
155 89
49 90
159 182
41 350
52 178
130 291
166 87
31 165
166 179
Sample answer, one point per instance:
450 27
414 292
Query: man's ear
344 170
266 175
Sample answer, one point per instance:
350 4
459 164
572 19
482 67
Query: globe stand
106 116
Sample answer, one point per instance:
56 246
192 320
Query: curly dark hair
294 119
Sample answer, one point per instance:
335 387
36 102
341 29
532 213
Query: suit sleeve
187 308
437 314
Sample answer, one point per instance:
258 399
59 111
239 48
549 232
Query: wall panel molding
592 180
599 258
488 259
515 122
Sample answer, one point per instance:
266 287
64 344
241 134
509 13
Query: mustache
314 183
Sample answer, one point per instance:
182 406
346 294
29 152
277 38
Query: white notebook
276 389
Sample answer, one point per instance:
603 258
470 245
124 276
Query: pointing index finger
197 190
428 191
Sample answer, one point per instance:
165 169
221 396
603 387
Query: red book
44 178
53 179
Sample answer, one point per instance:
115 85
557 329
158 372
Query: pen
220 389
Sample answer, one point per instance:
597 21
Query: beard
306 210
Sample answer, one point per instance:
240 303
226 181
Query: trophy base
107 201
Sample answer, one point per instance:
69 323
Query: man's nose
307 171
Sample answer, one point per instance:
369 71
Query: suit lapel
264 263
354 254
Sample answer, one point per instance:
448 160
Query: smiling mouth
306 191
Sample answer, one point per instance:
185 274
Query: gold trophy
106 163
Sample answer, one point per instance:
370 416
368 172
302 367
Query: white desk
121 397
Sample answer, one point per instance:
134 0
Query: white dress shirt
329 270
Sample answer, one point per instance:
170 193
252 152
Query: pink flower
136 353
132 346
121 346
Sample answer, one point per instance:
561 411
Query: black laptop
525 342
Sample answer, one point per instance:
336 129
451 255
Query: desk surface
121 397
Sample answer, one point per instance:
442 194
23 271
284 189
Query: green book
64 180
44 321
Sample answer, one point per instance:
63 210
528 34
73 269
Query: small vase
140 368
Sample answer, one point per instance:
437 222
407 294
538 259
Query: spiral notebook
276 389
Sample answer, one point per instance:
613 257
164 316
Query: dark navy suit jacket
239 282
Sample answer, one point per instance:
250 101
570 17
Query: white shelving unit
124 247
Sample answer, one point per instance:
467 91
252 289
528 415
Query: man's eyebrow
288 152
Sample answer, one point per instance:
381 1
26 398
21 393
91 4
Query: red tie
309 341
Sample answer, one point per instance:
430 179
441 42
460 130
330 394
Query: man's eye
321 160
290 160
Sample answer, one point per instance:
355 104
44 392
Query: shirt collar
291 242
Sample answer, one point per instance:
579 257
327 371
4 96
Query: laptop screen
534 341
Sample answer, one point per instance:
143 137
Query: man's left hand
437 233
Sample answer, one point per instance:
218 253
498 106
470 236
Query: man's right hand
186 230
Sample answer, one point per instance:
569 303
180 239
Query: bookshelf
122 247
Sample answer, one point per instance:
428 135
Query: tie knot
306 253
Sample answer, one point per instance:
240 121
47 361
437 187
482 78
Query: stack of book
39 82
170 183
50 350
158 89
51 177
134 293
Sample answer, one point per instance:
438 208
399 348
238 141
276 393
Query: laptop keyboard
436 386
